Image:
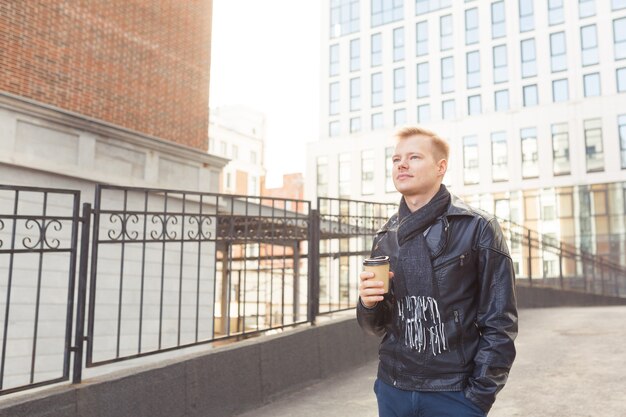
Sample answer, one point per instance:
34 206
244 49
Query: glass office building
530 94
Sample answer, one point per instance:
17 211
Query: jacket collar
458 207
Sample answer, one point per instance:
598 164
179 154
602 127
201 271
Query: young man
450 318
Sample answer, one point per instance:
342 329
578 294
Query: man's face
416 169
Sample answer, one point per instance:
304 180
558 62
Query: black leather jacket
474 283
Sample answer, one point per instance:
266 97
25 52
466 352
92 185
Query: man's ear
442 167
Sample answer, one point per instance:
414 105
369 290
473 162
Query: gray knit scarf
419 318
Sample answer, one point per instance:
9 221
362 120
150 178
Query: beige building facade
530 95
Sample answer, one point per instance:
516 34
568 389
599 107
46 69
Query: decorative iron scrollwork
42 240
123 233
165 222
201 223
1 228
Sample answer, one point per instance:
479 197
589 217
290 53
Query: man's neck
417 201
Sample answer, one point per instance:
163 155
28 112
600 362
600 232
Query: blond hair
441 149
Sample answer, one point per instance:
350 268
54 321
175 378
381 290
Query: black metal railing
167 269
543 260
346 231
171 269
38 252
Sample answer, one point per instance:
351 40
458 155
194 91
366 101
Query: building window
498 20
589 45
555 12
355 124
253 157
558 57
502 100
473 69
355 94
377 121
471 173
399 117
471 26
560 149
530 155
425 6
593 145
421 38
386 11
423 80
344 17
447 75
526 15
529 58
398 44
229 180
254 182
592 84
223 148
621 122
344 174
618 4
586 8
367 172
621 79
333 128
355 55
423 113
377 49
448 109
399 85
389 187
235 152
619 38
499 157
560 90
322 176
334 60
500 64
334 98
530 95
474 105
377 89
445 32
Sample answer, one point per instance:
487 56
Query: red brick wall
143 65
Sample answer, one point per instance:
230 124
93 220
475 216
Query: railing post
601 276
82 294
561 264
314 266
530 260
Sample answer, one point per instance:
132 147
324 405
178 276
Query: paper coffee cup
379 265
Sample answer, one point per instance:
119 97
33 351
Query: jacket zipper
457 321
460 259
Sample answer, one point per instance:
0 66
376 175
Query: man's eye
414 157
395 160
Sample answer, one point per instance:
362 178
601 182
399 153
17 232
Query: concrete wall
536 297
225 382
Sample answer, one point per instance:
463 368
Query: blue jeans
393 402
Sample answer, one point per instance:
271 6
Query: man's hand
370 290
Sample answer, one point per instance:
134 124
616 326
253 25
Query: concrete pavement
570 362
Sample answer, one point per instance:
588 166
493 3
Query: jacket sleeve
496 318
375 320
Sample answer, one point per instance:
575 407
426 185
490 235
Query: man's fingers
366 275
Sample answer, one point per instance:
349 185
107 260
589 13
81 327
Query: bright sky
265 54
